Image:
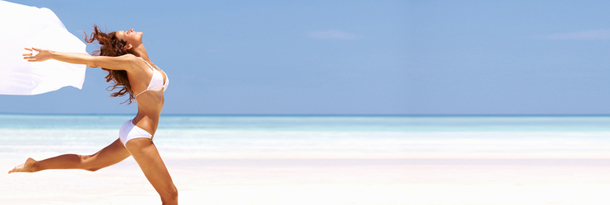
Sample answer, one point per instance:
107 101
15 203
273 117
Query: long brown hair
110 45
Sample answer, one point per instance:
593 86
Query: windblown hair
110 45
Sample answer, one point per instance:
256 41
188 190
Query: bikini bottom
130 131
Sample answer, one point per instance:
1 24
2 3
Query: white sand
272 171
324 181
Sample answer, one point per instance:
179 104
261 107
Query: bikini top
156 82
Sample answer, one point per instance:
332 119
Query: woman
123 55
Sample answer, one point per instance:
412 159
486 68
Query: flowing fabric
25 27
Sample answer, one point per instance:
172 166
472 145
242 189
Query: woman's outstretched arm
124 62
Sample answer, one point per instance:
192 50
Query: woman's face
132 37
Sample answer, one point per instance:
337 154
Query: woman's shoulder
133 59
129 56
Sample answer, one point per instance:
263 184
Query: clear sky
352 57
246 57
508 57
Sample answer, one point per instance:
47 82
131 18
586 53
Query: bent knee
171 197
174 193
85 158
85 161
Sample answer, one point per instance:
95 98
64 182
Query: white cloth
25 27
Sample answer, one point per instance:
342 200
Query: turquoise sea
374 137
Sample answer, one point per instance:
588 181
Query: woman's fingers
27 54
33 56
29 57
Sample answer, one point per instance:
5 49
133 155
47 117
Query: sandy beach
384 163
219 181
325 181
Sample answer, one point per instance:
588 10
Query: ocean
212 136
368 137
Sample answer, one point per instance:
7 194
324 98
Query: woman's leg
111 154
147 156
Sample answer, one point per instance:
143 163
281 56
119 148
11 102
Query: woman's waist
147 122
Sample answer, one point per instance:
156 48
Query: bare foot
28 166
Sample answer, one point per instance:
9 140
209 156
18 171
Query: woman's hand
42 55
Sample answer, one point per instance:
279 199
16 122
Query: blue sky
353 57
246 57
508 57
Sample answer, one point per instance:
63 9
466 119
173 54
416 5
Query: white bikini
130 131
156 82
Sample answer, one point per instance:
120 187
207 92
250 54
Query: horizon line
337 115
